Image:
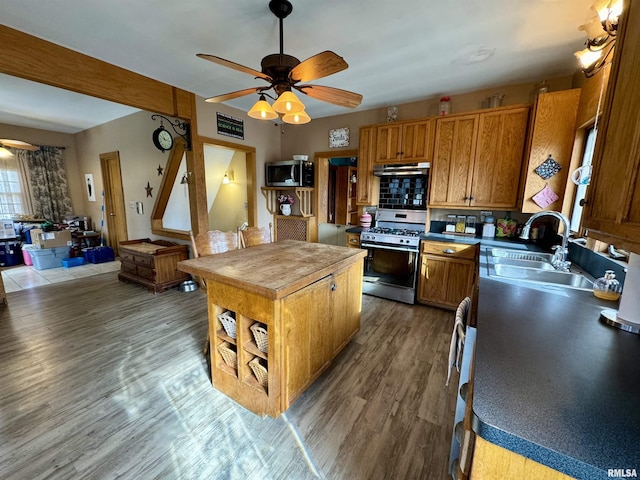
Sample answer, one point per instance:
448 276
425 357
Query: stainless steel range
391 265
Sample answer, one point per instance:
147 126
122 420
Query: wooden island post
306 296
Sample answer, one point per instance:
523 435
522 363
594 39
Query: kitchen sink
532 267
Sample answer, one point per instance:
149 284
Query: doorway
113 208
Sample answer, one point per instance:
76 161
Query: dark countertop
552 382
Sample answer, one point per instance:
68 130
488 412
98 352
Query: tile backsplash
403 192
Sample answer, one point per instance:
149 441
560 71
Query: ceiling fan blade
18 144
339 97
320 65
231 95
234 66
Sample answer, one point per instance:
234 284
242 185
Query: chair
211 243
457 336
252 236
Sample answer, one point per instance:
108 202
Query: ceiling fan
17 144
285 72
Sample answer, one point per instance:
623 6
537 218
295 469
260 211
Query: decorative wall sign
91 189
339 137
230 126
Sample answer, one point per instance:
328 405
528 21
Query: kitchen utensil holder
228 323
261 336
261 373
229 355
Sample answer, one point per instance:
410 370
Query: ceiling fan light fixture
296 118
262 110
4 153
288 103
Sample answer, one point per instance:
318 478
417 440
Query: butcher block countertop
273 270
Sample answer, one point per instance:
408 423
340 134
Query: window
581 190
11 191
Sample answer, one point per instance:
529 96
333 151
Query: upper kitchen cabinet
613 197
366 191
478 158
550 143
405 142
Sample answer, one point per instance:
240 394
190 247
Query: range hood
398 170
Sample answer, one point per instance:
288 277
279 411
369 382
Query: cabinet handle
448 251
334 287
583 202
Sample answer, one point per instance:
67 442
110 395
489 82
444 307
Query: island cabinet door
318 321
307 343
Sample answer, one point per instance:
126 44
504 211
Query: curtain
48 183
14 194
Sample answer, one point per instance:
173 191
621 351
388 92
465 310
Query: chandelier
601 36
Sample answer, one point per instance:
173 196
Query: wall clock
339 137
162 139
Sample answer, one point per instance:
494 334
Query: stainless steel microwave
289 173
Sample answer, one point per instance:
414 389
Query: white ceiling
397 52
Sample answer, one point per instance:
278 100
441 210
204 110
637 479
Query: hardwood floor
101 379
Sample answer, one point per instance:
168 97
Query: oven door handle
387 247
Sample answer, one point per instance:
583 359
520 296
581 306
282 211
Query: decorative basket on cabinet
261 336
229 355
261 373
228 323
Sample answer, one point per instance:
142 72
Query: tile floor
23 277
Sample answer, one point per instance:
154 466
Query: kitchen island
278 315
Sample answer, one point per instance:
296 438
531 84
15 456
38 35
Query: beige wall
54 139
314 136
265 137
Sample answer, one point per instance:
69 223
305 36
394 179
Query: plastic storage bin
72 262
45 258
98 254
10 254
26 255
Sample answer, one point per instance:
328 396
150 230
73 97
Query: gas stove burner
395 231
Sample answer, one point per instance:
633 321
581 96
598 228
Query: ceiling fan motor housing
280 8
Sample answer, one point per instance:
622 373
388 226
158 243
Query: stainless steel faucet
560 256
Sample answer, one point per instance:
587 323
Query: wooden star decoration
148 188
160 170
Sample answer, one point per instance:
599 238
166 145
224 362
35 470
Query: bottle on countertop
489 228
607 287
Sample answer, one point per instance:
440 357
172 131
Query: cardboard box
60 238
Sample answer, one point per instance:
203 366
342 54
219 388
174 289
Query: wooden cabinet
307 297
477 159
152 263
551 133
353 240
366 188
448 273
613 198
405 142
491 462
290 227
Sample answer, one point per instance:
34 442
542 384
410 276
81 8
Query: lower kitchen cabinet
353 240
293 227
491 462
448 273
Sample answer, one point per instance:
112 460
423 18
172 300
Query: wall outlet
132 205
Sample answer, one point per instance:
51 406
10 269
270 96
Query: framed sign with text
339 137
230 126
